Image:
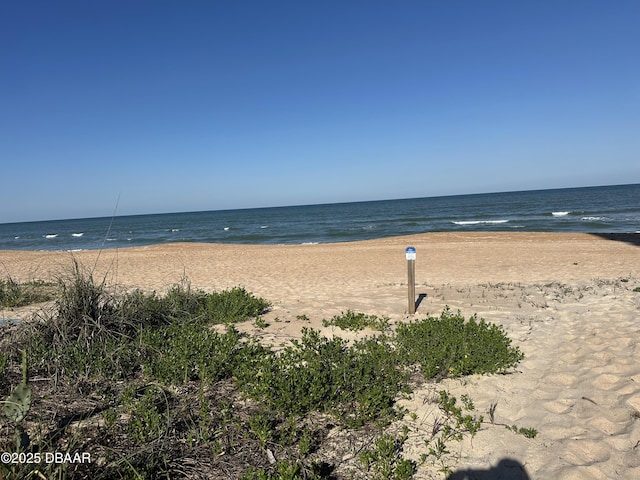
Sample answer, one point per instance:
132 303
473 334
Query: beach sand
567 300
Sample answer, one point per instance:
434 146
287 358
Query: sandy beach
571 302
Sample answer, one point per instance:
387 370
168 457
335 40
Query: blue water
610 209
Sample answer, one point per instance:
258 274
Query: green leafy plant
14 294
385 460
449 346
357 321
17 405
260 323
149 414
356 383
282 470
526 432
454 426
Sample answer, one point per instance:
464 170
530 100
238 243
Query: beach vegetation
492 412
356 383
166 386
385 459
450 346
14 294
356 321
524 431
260 323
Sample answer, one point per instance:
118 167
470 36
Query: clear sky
188 105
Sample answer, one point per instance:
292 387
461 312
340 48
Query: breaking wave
480 222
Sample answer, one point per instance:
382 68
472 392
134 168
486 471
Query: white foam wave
226 229
264 226
560 214
594 219
480 222
51 235
77 234
175 229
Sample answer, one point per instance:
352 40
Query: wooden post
411 278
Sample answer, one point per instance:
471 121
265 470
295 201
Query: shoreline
322 280
440 255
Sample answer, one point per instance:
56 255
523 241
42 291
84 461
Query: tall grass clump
95 332
449 346
85 335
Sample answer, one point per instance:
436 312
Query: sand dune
569 301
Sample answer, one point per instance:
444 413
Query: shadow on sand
421 297
506 469
632 238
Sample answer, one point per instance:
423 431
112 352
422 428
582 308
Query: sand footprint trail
579 387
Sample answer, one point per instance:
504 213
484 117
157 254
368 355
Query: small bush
14 294
385 459
357 383
357 321
182 353
235 305
525 432
449 346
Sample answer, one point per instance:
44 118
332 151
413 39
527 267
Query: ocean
608 209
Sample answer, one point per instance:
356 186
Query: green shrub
357 321
450 347
357 383
181 353
14 294
96 333
385 459
282 470
182 302
525 432
235 305
150 416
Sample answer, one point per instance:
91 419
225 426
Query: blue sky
204 105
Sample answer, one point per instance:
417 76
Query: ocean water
609 209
